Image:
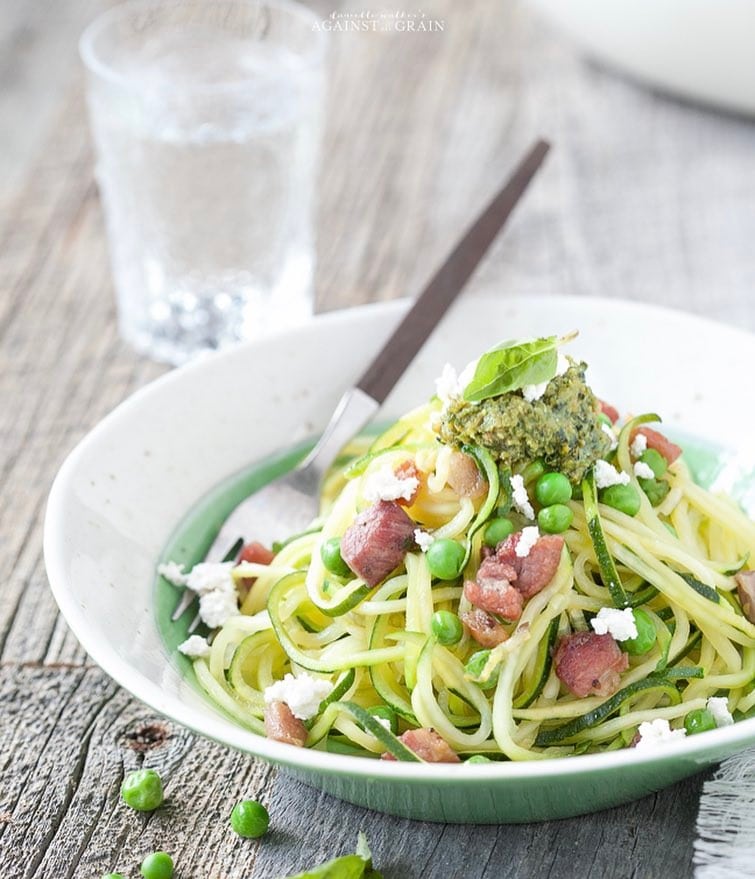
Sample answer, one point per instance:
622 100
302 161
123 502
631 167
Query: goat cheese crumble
609 432
210 577
384 485
621 624
658 732
450 386
639 445
302 694
520 497
423 539
607 475
217 606
719 708
643 470
173 573
535 392
195 647
527 539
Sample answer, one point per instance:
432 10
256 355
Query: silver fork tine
194 625
187 599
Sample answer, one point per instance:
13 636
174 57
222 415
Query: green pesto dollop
562 428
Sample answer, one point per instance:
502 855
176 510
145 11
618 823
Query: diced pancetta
484 628
589 664
428 746
282 726
377 541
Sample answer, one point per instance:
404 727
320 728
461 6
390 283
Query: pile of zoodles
398 658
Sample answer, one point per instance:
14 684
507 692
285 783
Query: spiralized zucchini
376 645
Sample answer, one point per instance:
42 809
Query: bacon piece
256 553
484 628
408 470
377 541
590 664
492 590
427 745
464 476
609 410
746 592
535 571
282 726
658 441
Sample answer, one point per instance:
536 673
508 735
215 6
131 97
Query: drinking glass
206 118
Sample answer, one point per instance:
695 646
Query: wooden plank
69 735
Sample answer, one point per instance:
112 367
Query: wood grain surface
642 198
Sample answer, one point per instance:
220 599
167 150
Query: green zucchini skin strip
489 469
700 587
342 687
544 663
606 709
393 745
642 596
297 656
357 468
608 572
357 596
383 688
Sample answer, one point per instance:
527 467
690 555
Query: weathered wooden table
642 198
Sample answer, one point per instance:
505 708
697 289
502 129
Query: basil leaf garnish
511 366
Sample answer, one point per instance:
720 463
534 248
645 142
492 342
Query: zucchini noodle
390 669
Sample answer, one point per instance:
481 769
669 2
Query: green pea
158 865
475 664
655 460
624 498
646 634
555 519
699 720
142 790
478 758
385 712
497 530
655 489
250 819
445 558
446 627
553 488
330 553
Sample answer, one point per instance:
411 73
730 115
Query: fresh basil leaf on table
511 366
356 866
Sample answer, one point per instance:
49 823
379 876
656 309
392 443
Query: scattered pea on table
158 865
250 819
142 790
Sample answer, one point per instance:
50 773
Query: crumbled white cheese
173 573
423 539
216 606
520 497
210 577
658 732
384 485
527 539
449 386
719 708
302 694
607 475
639 445
619 623
535 392
195 647
609 432
643 470
383 721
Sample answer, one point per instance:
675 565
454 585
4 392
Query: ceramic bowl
697 49
184 443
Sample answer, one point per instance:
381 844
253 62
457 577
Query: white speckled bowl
122 493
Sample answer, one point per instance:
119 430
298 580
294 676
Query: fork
289 503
